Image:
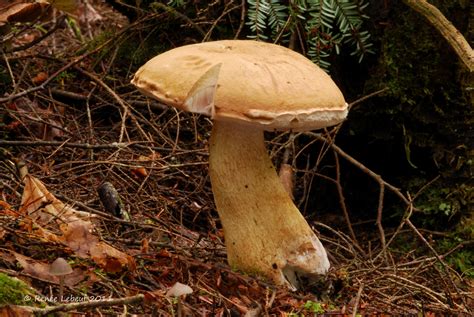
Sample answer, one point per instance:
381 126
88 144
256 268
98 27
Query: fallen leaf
52 220
40 270
145 248
21 11
40 122
40 78
139 172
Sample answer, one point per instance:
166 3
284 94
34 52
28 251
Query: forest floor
71 121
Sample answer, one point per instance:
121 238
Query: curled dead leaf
22 11
54 221
40 78
139 172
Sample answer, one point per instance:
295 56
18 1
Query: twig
88 146
364 98
357 299
226 11
56 26
181 16
242 20
10 72
43 85
379 219
125 107
361 166
440 260
427 291
342 199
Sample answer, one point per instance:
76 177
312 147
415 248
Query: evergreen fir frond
349 21
257 16
277 16
329 25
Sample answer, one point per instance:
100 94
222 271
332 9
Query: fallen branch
455 39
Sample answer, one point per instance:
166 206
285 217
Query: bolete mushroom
247 87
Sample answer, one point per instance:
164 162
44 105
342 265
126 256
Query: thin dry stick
172 10
361 166
226 11
342 199
364 98
397 231
357 300
125 107
440 260
55 74
87 146
409 283
379 219
242 20
343 237
382 184
10 72
22 76
59 22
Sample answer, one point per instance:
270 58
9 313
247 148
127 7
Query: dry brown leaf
6 211
40 78
145 248
40 122
40 270
37 269
54 221
21 11
139 172
78 236
43 207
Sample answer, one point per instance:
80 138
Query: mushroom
60 268
179 290
247 87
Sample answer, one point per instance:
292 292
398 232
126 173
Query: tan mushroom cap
60 267
259 83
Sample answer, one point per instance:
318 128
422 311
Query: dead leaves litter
49 219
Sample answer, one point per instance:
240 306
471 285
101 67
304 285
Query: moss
14 291
425 120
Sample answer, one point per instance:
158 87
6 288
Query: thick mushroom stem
264 231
